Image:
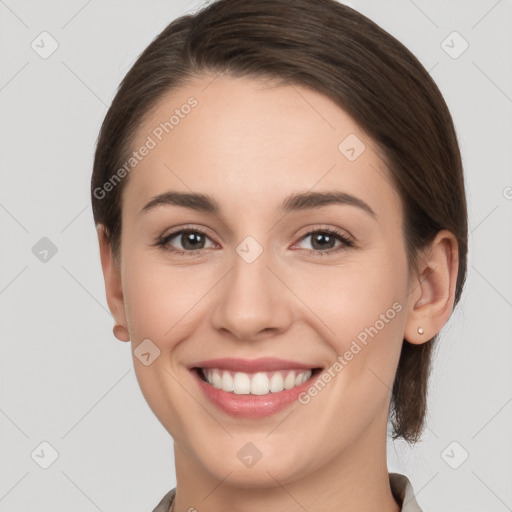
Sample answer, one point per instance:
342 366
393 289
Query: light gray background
66 380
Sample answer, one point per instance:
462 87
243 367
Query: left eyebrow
309 200
294 202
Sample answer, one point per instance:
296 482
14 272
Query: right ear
113 287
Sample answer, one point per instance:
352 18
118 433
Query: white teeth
276 383
217 380
261 383
227 381
289 382
241 383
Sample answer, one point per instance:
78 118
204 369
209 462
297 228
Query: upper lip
263 364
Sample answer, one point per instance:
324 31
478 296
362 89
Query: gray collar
403 493
400 487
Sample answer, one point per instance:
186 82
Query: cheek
361 313
348 298
161 304
158 296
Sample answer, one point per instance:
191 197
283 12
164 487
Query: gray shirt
400 487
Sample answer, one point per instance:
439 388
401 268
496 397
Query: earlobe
113 285
432 292
121 333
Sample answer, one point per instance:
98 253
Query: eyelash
346 242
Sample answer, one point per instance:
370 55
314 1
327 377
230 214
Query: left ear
432 291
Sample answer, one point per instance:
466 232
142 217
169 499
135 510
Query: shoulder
403 492
166 502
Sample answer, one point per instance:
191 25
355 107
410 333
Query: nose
254 301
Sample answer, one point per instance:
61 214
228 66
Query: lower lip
251 406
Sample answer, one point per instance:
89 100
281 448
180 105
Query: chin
254 464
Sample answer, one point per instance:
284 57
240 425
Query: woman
281 215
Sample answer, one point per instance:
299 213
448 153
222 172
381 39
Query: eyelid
308 230
185 228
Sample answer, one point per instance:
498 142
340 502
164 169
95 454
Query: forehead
249 143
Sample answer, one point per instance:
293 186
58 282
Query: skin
249 144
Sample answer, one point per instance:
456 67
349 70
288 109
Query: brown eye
191 241
324 241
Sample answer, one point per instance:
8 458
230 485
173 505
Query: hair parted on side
338 52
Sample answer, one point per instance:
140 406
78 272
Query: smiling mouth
258 383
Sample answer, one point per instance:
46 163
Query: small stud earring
420 330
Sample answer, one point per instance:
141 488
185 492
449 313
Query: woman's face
266 277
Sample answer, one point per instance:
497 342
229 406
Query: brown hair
334 50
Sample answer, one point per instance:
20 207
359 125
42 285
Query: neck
354 480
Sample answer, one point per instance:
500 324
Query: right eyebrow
199 202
